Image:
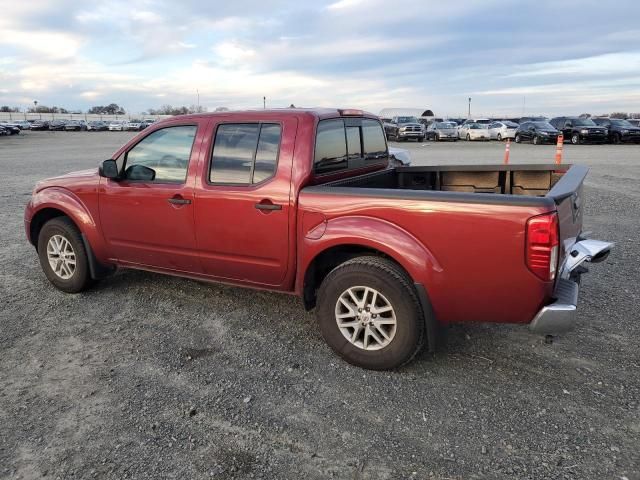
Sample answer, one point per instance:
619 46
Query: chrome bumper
560 316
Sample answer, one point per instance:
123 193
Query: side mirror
109 169
140 173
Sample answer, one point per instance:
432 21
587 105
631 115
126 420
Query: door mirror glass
140 173
109 169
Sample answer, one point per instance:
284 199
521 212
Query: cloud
357 53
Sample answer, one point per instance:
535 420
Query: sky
511 57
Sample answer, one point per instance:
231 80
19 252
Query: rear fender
372 233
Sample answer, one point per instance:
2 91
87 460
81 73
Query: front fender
66 201
373 233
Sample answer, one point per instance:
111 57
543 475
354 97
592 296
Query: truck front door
147 214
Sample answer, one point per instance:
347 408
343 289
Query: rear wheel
518 139
369 314
536 140
499 137
616 138
421 139
63 257
468 137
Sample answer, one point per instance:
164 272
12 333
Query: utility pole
469 113
264 103
198 93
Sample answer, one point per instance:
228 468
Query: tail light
542 246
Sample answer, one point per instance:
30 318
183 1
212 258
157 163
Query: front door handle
268 206
179 201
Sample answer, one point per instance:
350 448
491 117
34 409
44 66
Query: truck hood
80 178
412 124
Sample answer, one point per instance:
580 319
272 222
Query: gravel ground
148 376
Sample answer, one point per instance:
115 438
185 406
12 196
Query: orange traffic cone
559 147
507 147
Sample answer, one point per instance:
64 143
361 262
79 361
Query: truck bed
516 180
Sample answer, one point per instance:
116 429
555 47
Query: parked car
21 124
10 127
135 125
57 125
618 130
116 126
502 130
634 121
536 133
4 131
406 128
40 125
473 131
96 126
480 121
75 125
532 119
439 131
580 130
382 253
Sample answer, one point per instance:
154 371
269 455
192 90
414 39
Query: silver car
503 130
440 131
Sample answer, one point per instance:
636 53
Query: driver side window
165 152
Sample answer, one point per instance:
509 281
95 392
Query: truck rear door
243 203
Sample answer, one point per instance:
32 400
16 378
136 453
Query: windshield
445 125
476 126
484 121
510 124
407 120
621 123
583 122
543 125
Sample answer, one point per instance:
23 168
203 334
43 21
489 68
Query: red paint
470 257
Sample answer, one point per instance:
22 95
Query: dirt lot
148 376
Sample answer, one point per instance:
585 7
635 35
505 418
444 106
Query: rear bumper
560 316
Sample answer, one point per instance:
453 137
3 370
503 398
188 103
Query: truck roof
319 113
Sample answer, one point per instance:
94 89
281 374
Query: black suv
619 130
537 133
580 130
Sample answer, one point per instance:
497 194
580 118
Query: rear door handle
179 201
268 206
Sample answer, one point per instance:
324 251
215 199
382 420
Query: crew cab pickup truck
306 202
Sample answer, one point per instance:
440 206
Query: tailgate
568 196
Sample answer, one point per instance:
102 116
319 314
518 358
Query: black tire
536 140
518 139
616 139
499 137
421 139
395 285
468 137
81 278
575 139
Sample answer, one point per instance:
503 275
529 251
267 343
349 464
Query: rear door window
245 153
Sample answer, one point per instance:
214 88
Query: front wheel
575 139
468 137
369 314
536 140
518 139
63 257
617 139
499 137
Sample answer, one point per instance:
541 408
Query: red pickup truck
307 202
